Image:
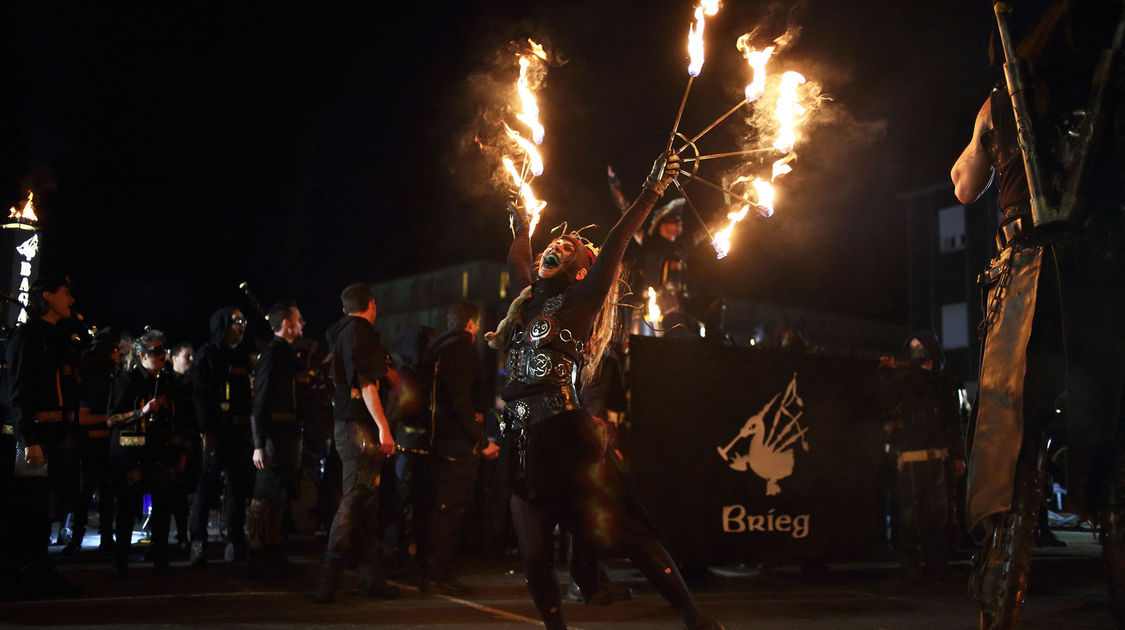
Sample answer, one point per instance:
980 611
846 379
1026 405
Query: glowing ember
530 201
695 35
28 211
530 114
654 314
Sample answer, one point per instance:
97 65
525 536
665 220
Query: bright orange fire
528 114
530 201
28 212
788 113
695 35
654 314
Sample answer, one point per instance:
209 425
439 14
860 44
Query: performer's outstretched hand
665 169
518 216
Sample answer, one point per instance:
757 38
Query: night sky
177 149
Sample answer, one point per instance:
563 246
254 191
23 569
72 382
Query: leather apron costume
545 356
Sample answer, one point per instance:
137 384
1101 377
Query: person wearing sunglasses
221 392
146 453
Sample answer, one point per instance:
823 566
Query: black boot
75 544
702 622
325 592
198 554
373 584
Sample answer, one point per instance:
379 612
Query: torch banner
745 455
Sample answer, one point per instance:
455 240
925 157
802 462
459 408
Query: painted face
561 257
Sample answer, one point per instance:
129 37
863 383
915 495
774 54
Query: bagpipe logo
769 438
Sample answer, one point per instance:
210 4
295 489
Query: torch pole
714 124
676 125
719 188
693 209
715 156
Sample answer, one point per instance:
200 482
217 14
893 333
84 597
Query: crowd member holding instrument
560 325
146 451
222 403
37 423
363 440
276 429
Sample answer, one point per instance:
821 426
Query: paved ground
1067 592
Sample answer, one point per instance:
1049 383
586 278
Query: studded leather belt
540 365
530 410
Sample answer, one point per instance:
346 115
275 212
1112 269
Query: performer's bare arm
972 172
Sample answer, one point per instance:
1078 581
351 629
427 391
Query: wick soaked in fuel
736 520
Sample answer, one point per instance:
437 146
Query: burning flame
788 113
530 201
535 161
537 50
28 211
530 114
695 35
654 314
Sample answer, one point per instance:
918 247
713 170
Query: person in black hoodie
146 451
458 438
222 404
410 416
363 440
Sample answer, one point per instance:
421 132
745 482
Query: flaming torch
27 213
695 55
654 314
528 114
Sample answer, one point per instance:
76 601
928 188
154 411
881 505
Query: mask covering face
918 353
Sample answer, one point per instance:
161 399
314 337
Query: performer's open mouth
551 261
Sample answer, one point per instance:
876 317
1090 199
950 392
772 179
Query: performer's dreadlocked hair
606 325
604 330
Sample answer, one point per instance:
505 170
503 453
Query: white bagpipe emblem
769 454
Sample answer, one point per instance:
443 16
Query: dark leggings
534 524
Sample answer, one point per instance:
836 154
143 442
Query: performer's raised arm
604 270
519 254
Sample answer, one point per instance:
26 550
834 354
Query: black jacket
457 394
275 389
37 381
221 378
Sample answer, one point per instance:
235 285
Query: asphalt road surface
1067 591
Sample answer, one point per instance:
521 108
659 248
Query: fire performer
221 390
662 261
276 429
363 439
560 473
1051 281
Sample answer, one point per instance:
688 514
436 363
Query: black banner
743 455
